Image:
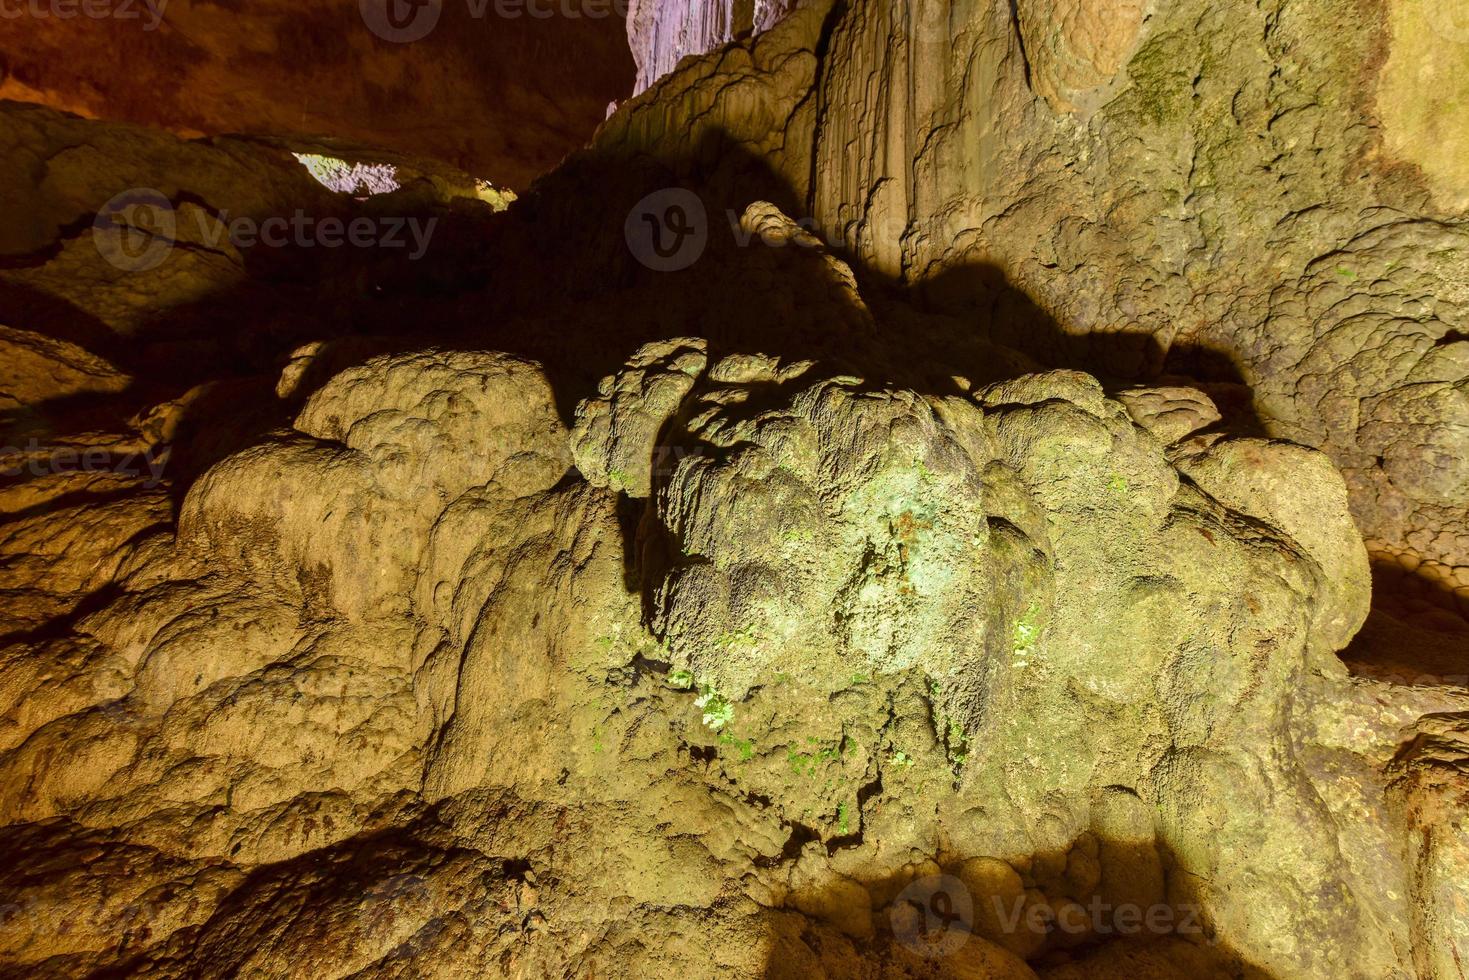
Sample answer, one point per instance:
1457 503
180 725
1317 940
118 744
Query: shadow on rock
1102 909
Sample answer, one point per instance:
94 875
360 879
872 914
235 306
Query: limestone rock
616 437
387 670
395 437
896 566
503 91
1223 209
1077 48
1431 793
35 368
1169 413
663 34
427 670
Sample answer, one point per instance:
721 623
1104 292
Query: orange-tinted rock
499 96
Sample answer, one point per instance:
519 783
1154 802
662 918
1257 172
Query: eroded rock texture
1193 190
512 608
1187 187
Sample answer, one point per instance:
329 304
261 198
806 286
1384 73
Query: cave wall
418 657
663 34
490 89
1266 199
1256 194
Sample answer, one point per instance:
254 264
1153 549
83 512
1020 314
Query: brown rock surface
520 609
491 88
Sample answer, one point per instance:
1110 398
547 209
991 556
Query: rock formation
663 34
500 88
893 505
1194 188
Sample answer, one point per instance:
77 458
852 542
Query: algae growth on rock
948 489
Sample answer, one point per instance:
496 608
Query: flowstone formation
663 34
1197 187
406 691
1150 190
426 680
955 567
1010 603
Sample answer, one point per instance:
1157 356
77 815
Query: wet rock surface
517 608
